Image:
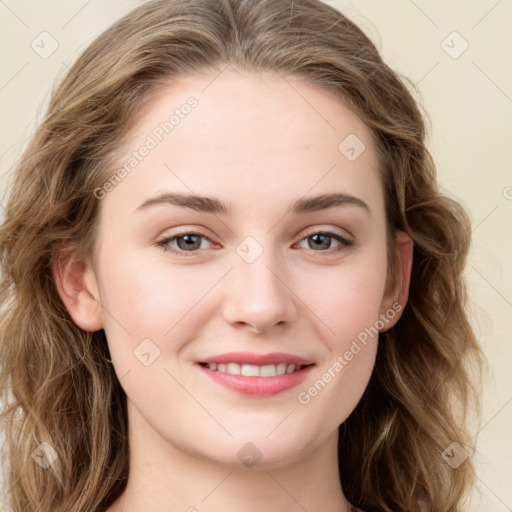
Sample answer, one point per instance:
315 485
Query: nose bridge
258 295
260 275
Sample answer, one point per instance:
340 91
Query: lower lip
258 386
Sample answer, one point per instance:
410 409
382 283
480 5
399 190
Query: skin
259 143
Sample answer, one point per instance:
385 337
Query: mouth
256 375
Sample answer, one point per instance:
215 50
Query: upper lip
257 359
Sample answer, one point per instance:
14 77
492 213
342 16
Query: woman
229 281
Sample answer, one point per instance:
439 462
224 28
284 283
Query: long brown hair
57 383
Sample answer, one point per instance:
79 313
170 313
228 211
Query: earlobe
77 286
399 292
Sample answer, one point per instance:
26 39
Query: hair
57 382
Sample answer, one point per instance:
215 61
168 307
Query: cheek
347 298
146 300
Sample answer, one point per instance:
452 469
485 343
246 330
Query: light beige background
468 97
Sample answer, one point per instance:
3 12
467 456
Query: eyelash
164 243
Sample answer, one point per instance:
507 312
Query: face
262 278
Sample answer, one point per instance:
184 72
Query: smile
252 370
256 375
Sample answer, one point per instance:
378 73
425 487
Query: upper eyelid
314 230
305 232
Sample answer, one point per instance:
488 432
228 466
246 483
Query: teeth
251 370
281 368
233 368
268 370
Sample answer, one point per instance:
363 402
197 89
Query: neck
163 477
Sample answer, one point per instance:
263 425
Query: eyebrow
215 206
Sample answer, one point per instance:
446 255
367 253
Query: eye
322 240
187 242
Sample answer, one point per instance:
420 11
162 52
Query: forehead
255 136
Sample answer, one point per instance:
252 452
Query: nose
257 296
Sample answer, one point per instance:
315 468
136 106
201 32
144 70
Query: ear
397 287
78 288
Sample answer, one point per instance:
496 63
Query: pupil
189 241
316 237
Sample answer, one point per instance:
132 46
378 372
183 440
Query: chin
257 449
